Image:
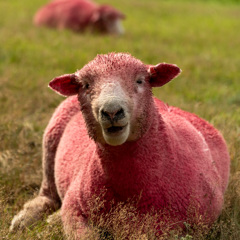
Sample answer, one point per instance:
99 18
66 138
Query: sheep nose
113 115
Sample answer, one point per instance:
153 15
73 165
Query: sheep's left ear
65 85
162 73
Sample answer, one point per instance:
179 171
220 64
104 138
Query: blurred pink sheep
78 15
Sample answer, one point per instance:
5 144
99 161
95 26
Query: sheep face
114 99
115 96
119 109
106 19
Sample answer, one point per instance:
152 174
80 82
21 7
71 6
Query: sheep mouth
116 135
115 130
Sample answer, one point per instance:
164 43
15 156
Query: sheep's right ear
65 85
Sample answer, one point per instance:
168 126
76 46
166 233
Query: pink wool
173 159
78 15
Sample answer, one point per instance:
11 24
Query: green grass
201 37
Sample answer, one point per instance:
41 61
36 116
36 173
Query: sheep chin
117 138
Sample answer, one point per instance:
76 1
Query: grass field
201 37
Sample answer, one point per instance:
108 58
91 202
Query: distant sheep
113 134
78 15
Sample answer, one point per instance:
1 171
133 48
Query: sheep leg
48 200
74 221
33 211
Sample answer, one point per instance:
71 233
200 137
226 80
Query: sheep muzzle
112 113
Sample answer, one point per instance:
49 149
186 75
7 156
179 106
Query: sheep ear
105 11
65 85
110 12
162 73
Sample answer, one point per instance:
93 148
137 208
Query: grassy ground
201 37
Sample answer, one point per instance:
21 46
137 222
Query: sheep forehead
113 64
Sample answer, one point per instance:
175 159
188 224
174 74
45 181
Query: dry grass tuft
123 221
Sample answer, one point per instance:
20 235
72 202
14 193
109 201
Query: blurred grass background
201 37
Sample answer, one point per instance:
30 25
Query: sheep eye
86 86
139 81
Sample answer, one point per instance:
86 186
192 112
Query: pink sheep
78 15
112 134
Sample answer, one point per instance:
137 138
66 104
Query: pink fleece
182 159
